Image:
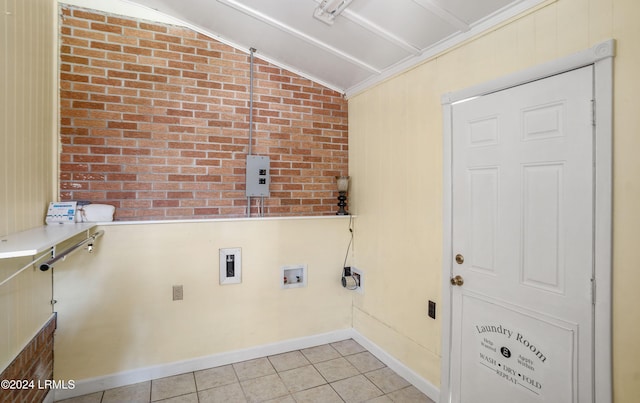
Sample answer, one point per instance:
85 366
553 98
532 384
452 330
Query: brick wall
34 363
154 119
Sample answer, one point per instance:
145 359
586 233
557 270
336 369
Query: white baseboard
399 368
49 397
92 385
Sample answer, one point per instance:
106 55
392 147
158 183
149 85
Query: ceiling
370 40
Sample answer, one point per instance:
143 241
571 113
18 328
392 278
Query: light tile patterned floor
337 372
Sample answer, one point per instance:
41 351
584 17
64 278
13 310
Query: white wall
115 308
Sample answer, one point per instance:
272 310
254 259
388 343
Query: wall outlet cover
230 266
178 293
293 276
432 310
358 275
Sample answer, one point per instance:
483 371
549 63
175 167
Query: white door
523 200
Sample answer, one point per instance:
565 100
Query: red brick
122 125
74 78
172 111
34 362
167 71
106 28
79 131
74 59
121 21
138 68
105 168
153 77
166 203
153 27
88 15
121 195
180 195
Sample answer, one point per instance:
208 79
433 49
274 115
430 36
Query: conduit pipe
251 52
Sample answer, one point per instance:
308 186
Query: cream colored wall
28 99
28 113
24 307
395 159
115 308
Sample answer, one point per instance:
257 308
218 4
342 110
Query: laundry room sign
511 355
519 337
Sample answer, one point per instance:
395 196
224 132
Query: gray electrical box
257 175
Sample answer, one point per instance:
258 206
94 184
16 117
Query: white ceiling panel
473 11
368 42
406 19
344 35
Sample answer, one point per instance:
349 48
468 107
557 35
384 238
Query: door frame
600 57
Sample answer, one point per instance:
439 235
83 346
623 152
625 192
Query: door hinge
593 291
593 112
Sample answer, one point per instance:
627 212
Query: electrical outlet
358 276
432 309
177 293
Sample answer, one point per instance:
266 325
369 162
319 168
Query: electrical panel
257 176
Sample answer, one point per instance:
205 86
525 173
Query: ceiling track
301 35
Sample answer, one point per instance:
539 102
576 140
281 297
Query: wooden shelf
34 241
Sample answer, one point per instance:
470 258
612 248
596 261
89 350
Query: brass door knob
459 259
457 280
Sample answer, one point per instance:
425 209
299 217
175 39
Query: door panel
523 192
507 346
483 215
542 226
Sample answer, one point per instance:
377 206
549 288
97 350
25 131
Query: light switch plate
230 266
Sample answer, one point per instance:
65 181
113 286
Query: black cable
350 242
344 265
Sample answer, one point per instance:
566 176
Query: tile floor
336 372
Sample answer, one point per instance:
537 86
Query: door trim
600 57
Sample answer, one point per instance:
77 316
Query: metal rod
49 263
6 280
